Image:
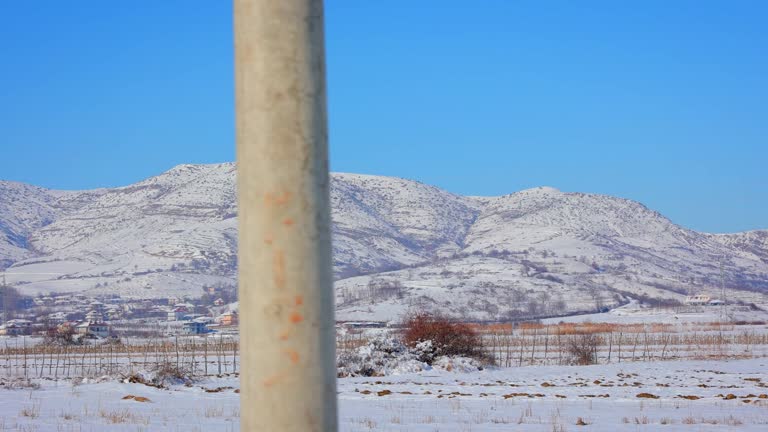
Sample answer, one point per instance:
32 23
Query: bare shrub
162 375
214 412
581 422
448 337
62 337
582 349
68 416
122 416
169 373
20 384
32 411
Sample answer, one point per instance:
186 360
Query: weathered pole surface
288 373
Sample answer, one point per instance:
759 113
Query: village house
11 330
195 327
219 302
16 327
56 318
197 317
173 300
99 329
94 316
113 313
228 319
702 300
62 301
177 313
93 328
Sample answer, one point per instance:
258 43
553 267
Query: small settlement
82 317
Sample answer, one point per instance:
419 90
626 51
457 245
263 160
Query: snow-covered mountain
385 223
397 244
754 244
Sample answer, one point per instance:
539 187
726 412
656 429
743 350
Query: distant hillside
398 244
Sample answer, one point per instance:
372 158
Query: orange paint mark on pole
296 318
278 269
293 355
274 379
272 199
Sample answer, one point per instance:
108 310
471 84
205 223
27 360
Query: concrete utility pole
288 378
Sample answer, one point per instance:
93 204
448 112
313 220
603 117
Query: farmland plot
666 376
673 395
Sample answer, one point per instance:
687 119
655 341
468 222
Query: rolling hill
398 244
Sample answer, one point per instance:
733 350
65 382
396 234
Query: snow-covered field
725 393
687 395
633 313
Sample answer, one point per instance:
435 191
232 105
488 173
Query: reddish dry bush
448 337
583 349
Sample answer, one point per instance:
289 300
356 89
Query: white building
698 300
11 329
92 328
94 316
177 313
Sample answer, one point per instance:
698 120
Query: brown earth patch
689 397
136 398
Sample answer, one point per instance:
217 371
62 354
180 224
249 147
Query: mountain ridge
172 233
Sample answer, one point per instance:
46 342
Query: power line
724 309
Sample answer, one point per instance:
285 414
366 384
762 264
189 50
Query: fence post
610 345
24 340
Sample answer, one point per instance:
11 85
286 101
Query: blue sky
662 102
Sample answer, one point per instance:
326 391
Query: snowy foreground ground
689 395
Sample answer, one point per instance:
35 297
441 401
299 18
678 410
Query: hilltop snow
398 244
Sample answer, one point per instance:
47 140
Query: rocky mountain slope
398 244
752 244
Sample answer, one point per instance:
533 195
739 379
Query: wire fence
509 346
197 356
548 347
